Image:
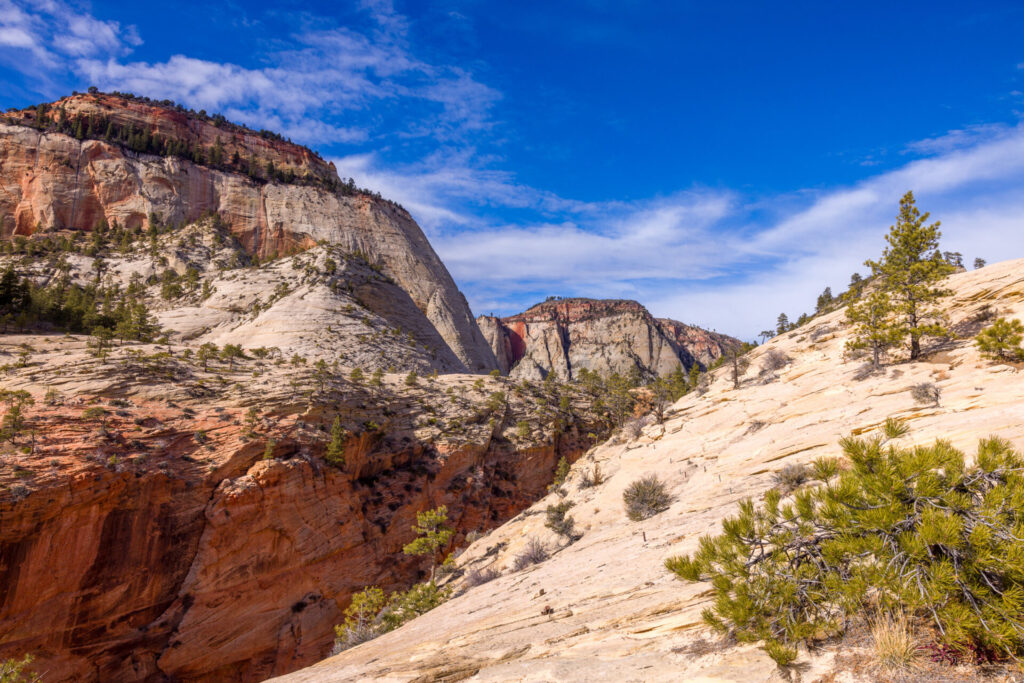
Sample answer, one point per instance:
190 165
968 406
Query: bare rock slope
604 608
51 181
603 335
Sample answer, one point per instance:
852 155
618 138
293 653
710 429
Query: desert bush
591 477
926 393
645 498
791 477
559 521
774 361
1001 341
561 472
535 552
632 428
864 371
912 530
477 577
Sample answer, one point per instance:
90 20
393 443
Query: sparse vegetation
535 552
476 577
592 477
645 498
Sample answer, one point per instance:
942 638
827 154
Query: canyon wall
171 537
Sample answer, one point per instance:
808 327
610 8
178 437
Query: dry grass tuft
895 647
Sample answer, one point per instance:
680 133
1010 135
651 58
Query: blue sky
719 162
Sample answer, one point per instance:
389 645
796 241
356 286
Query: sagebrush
645 498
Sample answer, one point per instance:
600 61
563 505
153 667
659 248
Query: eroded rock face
158 541
604 335
53 181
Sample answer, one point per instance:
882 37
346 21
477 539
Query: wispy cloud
317 74
712 257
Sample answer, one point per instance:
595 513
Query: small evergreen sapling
432 535
1002 340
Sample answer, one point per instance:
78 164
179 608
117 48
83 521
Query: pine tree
1002 340
694 376
335 454
874 327
909 270
782 324
910 530
432 535
206 353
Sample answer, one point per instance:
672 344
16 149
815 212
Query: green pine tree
335 454
432 535
909 272
874 327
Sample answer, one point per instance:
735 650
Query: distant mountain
606 335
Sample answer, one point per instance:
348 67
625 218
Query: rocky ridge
602 335
50 181
604 608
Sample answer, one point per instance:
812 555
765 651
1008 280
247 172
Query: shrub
645 498
926 393
534 553
1001 341
774 361
477 577
591 477
915 530
561 472
634 427
791 477
559 521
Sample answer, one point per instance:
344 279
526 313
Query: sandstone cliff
162 521
51 181
605 608
606 336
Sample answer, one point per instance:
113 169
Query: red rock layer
205 562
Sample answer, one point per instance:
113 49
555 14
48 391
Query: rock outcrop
604 608
51 181
603 335
162 521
